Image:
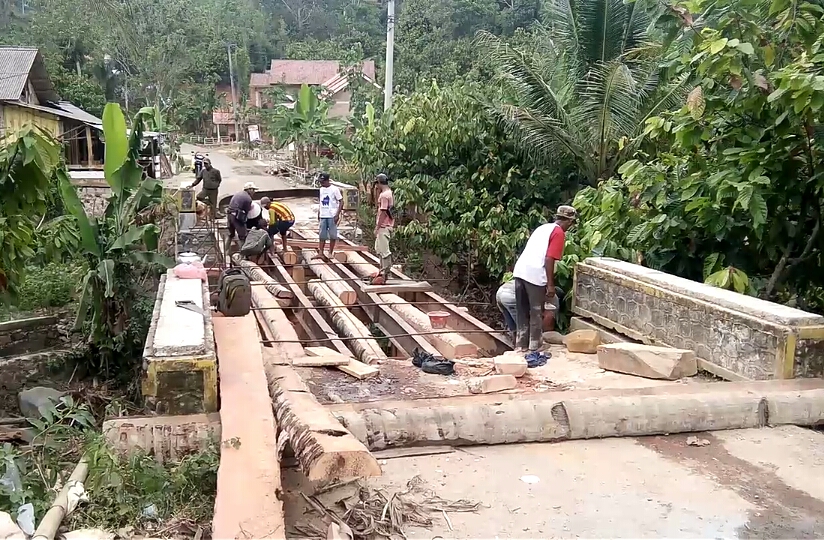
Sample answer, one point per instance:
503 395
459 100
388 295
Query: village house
290 75
27 96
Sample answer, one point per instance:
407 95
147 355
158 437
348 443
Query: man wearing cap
330 204
238 212
385 222
281 218
211 183
535 282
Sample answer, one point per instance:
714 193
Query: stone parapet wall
179 363
734 338
22 336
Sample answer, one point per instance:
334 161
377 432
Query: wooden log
256 273
330 278
451 345
357 263
314 244
367 350
324 449
278 324
553 416
310 320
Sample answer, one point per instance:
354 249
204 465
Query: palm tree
583 91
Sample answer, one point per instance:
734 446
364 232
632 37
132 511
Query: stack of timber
733 336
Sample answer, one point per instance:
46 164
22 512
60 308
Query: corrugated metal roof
18 64
60 113
79 114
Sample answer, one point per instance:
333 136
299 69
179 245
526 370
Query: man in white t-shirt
329 209
535 281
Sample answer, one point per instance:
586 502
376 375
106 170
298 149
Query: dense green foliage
466 194
735 175
29 161
120 253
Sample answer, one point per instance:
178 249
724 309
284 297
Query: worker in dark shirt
211 183
239 207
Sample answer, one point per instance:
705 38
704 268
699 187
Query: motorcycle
197 162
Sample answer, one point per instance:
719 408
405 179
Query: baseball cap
567 212
381 179
249 185
323 176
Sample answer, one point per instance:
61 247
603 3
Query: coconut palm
585 86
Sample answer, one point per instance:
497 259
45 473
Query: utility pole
390 55
232 83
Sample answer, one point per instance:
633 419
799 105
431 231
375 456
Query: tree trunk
279 325
367 350
256 273
344 292
357 263
451 345
325 450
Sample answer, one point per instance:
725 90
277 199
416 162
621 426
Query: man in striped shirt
281 218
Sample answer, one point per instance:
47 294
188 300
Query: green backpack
234 293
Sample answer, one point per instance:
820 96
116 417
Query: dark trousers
529 299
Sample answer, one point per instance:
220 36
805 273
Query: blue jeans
328 229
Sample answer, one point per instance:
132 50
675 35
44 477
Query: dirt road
235 173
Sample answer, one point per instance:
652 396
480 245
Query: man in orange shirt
384 224
535 281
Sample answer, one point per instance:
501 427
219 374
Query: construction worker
281 219
384 223
211 184
508 306
238 212
535 282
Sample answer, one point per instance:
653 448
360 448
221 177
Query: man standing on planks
238 212
330 205
385 222
535 282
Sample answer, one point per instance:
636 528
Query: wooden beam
89 146
388 320
342 290
320 361
311 320
278 324
451 345
399 286
314 244
367 350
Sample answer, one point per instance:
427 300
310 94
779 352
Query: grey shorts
328 229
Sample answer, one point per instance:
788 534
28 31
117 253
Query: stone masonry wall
23 336
736 342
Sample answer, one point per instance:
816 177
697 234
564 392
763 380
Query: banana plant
117 250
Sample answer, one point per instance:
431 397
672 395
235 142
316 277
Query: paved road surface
751 483
234 173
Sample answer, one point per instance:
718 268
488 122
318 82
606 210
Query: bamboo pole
60 507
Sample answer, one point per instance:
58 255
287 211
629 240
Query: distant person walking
330 205
281 219
238 212
384 225
211 184
535 281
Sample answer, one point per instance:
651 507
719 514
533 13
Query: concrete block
553 338
166 438
582 341
491 383
510 363
647 361
179 364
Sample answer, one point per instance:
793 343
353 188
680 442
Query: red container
438 319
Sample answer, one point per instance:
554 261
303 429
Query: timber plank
321 361
399 286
